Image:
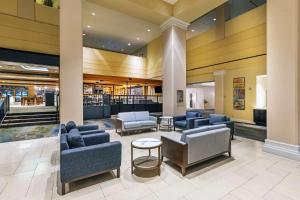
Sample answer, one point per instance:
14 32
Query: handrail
4 108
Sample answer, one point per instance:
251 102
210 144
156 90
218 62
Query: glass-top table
148 162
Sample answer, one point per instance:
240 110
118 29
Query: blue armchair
84 129
186 121
94 155
215 119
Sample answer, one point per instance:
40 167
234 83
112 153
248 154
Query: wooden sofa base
131 130
65 186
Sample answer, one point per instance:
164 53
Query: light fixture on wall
93 13
215 19
88 26
83 34
193 30
148 30
129 44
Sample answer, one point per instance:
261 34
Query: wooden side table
168 125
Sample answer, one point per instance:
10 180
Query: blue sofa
215 119
84 129
186 122
83 156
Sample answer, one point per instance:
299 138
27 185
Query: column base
282 149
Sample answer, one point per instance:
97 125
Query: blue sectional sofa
186 122
215 119
132 121
82 156
196 145
84 129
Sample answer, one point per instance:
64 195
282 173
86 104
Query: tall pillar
283 78
71 59
174 66
219 91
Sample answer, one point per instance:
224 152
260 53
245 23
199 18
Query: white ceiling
171 1
111 30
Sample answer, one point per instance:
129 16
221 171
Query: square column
283 78
71 62
219 91
174 67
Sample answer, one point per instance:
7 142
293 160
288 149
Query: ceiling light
88 26
137 38
43 69
214 19
148 29
193 30
93 13
129 44
83 34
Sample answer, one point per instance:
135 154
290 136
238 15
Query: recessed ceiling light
93 13
137 38
148 29
215 19
88 26
129 44
193 30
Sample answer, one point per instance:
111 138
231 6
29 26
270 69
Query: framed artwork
179 96
239 93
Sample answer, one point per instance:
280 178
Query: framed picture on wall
179 97
239 93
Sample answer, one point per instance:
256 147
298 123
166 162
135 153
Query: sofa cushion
147 123
181 124
142 116
127 116
192 114
63 129
70 125
75 139
199 130
129 125
213 118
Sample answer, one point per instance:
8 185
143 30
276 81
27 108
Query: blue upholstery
99 155
186 121
70 125
129 125
75 139
127 116
148 123
214 118
199 130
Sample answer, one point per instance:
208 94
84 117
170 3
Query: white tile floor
28 170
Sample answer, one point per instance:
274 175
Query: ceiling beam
190 10
154 11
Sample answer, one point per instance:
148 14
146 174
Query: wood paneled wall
154 59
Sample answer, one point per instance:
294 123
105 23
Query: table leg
131 160
159 161
149 152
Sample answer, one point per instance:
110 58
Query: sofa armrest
94 139
179 118
88 127
119 123
229 124
153 118
201 122
176 151
84 161
91 132
190 122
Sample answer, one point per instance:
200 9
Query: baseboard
282 149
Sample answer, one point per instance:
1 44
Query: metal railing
4 107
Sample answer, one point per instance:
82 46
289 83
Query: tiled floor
28 170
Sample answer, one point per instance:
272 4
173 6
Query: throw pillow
75 139
70 125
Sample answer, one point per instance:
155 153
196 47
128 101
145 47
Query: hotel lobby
149 100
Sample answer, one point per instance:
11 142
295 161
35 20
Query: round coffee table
146 162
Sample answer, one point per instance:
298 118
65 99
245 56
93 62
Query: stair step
31 113
7 121
28 124
30 116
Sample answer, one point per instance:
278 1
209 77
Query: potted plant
48 3
205 104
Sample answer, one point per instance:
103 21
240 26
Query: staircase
29 119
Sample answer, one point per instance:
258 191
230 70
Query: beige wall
23 28
154 58
283 69
241 54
